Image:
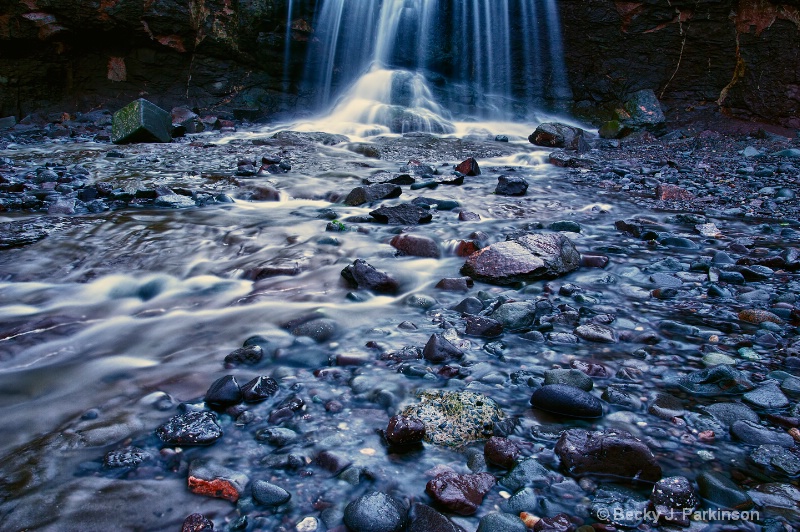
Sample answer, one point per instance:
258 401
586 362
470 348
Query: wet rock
192 428
268 494
511 186
213 480
523 500
642 111
403 214
501 522
515 315
248 355
528 258
129 457
467 216
501 452
608 452
224 392
404 430
753 433
141 121
571 377
461 494
328 139
728 413
375 512
528 472
667 192
370 193
363 276
566 226
469 305
594 332
566 400
722 491
767 396
416 245
557 135
197 523
333 461
388 177
277 436
758 316
719 380
455 418
455 284
671 496
777 458
666 406
557 523
483 327
319 329
259 389
286 409
469 167
439 350
778 499
423 518
174 201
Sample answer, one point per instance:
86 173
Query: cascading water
416 65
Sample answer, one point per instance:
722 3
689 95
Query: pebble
439 350
672 495
722 491
572 377
501 452
728 413
423 518
248 355
461 494
268 494
197 523
416 245
213 480
778 458
752 433
511 186
594 332
567 400
501 522
375 512
224 392
192 428
259 389
364 276
667 406
404 430
608 452
482 327
527 473
455 418
767 396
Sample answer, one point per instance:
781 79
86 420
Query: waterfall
418 65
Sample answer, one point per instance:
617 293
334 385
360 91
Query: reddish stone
469 167
461 494
465 248
672 193
197 523
416 246
218 488
594 261
501 452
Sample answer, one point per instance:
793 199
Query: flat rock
719 380
213 480
566 400
375 512
753 433
192 428
777 458
778 499
370 193
594 332
455 418
461 494
729 413
403 214
767 396
608 452
572 377
722 491
511 186
529 258
416 246
501 522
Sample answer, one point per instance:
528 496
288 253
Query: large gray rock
141 121
528 258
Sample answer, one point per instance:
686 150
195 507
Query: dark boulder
461 494
557 135
439 350
141 121
193 428
567 400
416 245
259 389
469 167
363 276
511 186
404 430
403 214
375 512
224 392
370 193
501 452
423 518
610 452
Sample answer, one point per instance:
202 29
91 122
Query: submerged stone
609 452
567 400
461 494
193 428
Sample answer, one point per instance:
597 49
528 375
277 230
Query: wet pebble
718 489
248 355
268 494
672 495
455 418
404 430
364 276
277 436
571 377
594 332
608 452
197 523
501 522
439 350
729 413
375 512
192 428
224 392
461 494
501 452
528 472
483 327
319 329
777 458
404 214
511 186
666 406
423 518
129 457
259 389
214 480
767 397
567 400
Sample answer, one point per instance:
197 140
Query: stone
572 377
455 418
416 245
248 355
455 284
482 327
594 332
722 491
608 452
767 396
672 495
259 389
565 225
213 480
268 494
511 186
461 494
439 350
501 452
777 458
224 392
141 121
375 512
566 400
528 472
423 518
557 523
515 314
197 523
758 316
753 433
523 500
666 406
667 192
286 409
129 457
728 413
363 276
779 500
642 111
277 436
556 135
719 380
370 193
192 428
404 430
529 258
174 201
319 329
468 216
469 167
403 214
501 522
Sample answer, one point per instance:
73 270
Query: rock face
528 258
609 452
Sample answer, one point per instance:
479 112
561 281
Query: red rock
461 494
672 193
469 167
465 248
212 480
416 245
219 488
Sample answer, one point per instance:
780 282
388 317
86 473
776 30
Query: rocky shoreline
574 370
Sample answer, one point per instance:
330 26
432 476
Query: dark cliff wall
74 55
744 55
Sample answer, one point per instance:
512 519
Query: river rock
728 413
375 512
248 355
753 433
767 396
141 121
363 276
566 400
268 494
439 350
259 389
192 428
501 522
666 406
318 329
722 491
556 135
511 186
416 246
423 518
672 495
129 457
455 418
224 392
642 111
778 499
572 377
719 380
529 258
370 193
483 327
213 480
469 167
404 430
501 452
197 523
608 452
528 472
777 458
455 284
594 332
403 214
461 494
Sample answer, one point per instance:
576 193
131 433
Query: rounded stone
404 430
501 452
567 400
375 512
269 494
224 392
571 377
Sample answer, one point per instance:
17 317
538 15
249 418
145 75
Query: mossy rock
455 418
141 121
